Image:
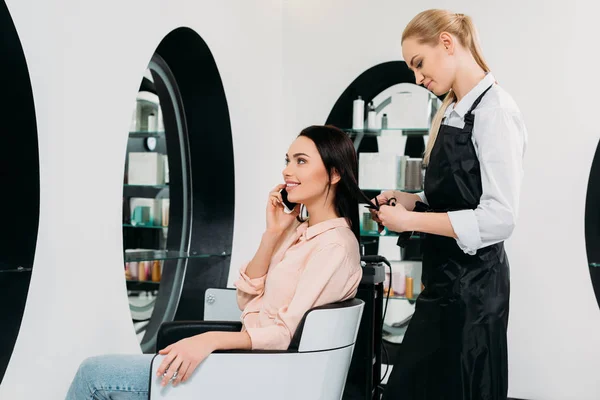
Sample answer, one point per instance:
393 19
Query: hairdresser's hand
383 198
277 220
184 357
395 218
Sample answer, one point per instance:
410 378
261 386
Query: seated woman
299 265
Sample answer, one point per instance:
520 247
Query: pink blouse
311 266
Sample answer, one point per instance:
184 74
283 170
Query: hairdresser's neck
467 77
319 213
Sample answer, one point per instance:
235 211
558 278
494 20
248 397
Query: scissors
391 202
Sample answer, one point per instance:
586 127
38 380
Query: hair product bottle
358 114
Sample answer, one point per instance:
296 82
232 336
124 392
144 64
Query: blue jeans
114 377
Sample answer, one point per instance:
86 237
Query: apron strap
469 118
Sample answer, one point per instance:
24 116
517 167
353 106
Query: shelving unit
145 243
146 134
161 255
145 226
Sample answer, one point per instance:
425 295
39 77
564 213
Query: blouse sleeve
248 288
328 277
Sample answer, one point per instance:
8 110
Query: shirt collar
466 102
308 233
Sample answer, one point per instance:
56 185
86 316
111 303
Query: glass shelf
388 234
145 226
151 255
145 134
165 186
383 190
597 265
378 132
15 270
404 298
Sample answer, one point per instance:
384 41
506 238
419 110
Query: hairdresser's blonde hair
426 27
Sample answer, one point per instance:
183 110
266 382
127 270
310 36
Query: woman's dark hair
338 154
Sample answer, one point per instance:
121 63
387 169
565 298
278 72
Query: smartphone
288 206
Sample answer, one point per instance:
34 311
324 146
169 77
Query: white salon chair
315 365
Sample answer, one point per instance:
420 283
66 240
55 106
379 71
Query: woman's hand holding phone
277 219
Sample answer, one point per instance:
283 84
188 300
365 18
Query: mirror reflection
145 204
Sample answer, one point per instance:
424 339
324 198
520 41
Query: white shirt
500 139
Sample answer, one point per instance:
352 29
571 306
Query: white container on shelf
145 168
378 170
164 205
166 168
389 248
358 114
160 124
152 123
409 110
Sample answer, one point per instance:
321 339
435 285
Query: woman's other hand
277 220
183 358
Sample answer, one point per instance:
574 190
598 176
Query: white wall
545 54
77 304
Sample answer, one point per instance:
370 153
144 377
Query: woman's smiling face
305 174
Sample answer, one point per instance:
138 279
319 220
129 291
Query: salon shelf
383 190
403 298
146 186
151 255
145 134
145 226
15 270
389 234
378 132
142 285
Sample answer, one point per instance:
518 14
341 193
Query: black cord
387 300
381 259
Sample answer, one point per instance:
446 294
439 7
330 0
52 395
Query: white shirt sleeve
500 138
422 197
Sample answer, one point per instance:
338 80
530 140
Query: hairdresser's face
434 66
305 173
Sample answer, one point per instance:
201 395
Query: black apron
455 345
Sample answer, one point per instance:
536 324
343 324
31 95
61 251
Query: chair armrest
171 332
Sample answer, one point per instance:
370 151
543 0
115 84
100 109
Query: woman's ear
447 41
335 176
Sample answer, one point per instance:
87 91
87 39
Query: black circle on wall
201 177
368 85
592 224
20 176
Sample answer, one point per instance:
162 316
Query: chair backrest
220 304
330 326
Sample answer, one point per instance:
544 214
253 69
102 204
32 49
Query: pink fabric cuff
274 337
253 286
